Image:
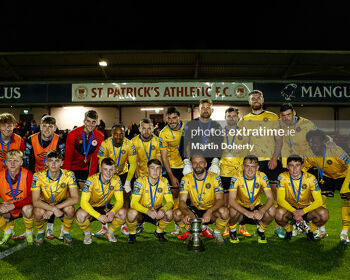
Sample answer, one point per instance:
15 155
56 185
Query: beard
257 106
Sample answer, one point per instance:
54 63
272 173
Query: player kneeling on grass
147 202
245 200
15 183
95 201
207 200
55 192
299 199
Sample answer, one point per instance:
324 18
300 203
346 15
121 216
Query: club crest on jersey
123 152
160 190
304 187
63 185
112 188
208 186
329 162
94 143
257 185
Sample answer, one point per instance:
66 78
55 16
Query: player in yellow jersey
245 200
232 159
147 202
122 151
54 192
146 145
95 201
267 146
333 172
295 128
204 189
299 199
171 153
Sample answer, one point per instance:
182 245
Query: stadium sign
177 91
305 92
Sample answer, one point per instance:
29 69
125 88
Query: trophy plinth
195 242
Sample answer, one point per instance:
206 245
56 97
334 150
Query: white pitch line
12 250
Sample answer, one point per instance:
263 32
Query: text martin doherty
223 146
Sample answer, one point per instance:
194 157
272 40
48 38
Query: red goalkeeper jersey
74 158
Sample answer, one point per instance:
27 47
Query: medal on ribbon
320 172
58 180
204 138
148 155
200 195
14 193
115 157
41 143
178 146
153 198
251 197
103 192
300 184
86 149
2 149
227 140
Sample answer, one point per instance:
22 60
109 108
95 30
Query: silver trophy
195 242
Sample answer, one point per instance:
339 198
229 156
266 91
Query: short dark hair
54 154
251 158
118 125
197 154
316 133
296 158
286 106
107 161
154 161
48 119
172 110
205 100
256 91
231 109
92 114
146 120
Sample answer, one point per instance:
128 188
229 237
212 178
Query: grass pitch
148 259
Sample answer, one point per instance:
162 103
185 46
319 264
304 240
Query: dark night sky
290 26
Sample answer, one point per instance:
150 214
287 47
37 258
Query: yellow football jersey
59 189
206 189
142 188
169 140
257 133
238 185
93 186
295 143
308 185
127 150
232 157
335 165
144 153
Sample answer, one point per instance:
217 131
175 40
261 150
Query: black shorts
101 210
177 172
198 213
272 174
226 182
123 177
329 185
12 218
250 221
148 219
81 175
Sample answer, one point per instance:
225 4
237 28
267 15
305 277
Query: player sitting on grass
147 202
299 199
245 200
95 201
207 200
55 193
15 183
